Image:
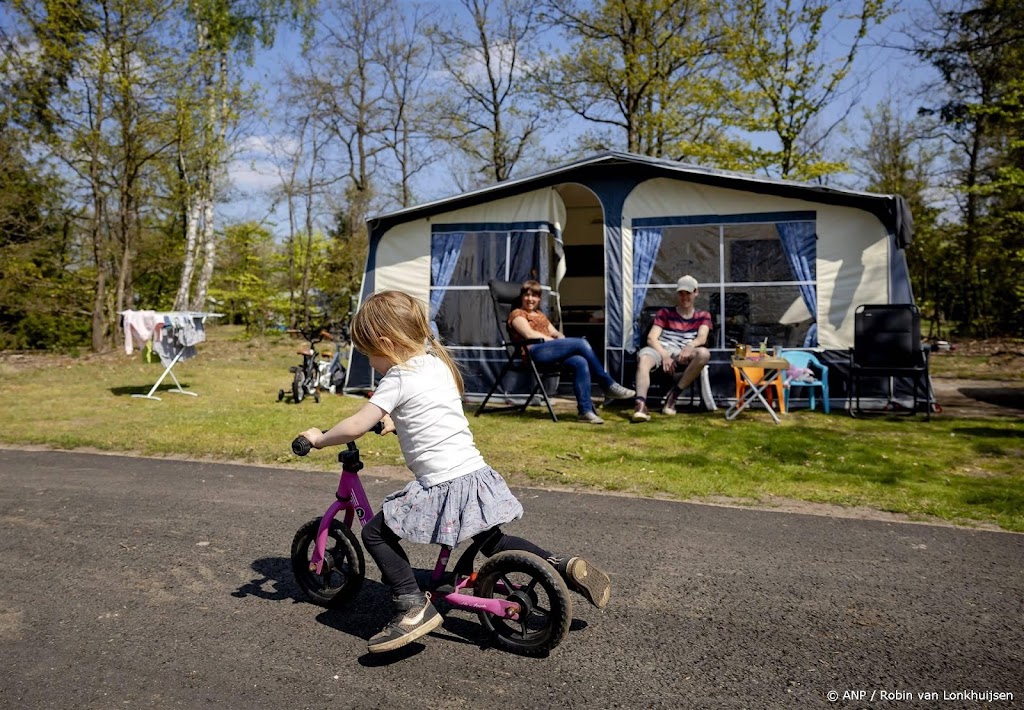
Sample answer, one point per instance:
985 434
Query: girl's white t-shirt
422 399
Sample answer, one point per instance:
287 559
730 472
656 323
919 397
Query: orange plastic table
773 367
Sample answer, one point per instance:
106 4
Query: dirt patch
979 398
853 512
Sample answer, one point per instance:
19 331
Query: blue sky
880 74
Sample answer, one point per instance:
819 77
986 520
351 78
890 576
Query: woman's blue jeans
577 354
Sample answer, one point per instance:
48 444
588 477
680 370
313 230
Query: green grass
965 471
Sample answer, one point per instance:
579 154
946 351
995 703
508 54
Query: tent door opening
582 290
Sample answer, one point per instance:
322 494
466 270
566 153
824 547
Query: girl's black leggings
386 550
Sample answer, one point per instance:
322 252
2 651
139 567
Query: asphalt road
139 583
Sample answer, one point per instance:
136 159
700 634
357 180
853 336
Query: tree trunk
181 300
99 247
218 115
209 242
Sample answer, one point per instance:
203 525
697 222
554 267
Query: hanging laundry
171 335
138 328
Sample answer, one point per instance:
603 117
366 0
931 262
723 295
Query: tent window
757 279
482 253
464 301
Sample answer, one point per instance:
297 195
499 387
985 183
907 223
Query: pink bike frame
352 499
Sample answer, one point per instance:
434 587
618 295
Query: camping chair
801 359
663 382
504 299
757 374
887 344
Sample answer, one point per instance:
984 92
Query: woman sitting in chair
528 321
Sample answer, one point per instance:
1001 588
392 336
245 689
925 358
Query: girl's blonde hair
394 325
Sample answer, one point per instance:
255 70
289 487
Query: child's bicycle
521 600
307 378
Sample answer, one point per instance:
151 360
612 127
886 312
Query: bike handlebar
311 335
301 445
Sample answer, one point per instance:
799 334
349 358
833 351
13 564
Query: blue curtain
799 241
646 242
444 255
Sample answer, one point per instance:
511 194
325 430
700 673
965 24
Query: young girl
456 495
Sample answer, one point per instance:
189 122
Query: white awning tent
609 236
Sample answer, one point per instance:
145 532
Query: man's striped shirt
677 331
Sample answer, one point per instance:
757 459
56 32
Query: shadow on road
998 396
275 571
369 611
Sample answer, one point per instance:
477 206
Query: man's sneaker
640 413
585 578
669 407
414 617
617 391
590 418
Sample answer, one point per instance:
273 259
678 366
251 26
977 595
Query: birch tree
224 35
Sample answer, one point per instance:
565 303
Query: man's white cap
687 283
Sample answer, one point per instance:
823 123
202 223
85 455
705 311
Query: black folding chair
887 344
505 299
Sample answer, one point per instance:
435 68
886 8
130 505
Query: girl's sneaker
585 578
414 616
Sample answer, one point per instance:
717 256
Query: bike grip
378 427
301 446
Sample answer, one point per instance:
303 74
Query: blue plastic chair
802 359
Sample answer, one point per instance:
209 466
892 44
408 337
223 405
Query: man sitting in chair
675 342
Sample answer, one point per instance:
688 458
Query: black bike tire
352 568
557 620
298 387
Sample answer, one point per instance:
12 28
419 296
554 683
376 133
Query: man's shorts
650 352
653 354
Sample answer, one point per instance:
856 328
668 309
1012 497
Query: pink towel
138 328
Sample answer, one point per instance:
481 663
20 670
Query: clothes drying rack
198 317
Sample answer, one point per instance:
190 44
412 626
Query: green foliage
244 287
979 50
60 29
647 69
786 75
44 284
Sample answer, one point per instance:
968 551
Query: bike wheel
298 387
343 569
545 604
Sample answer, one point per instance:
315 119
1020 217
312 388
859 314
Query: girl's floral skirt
450 512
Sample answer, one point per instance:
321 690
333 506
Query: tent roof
890 209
